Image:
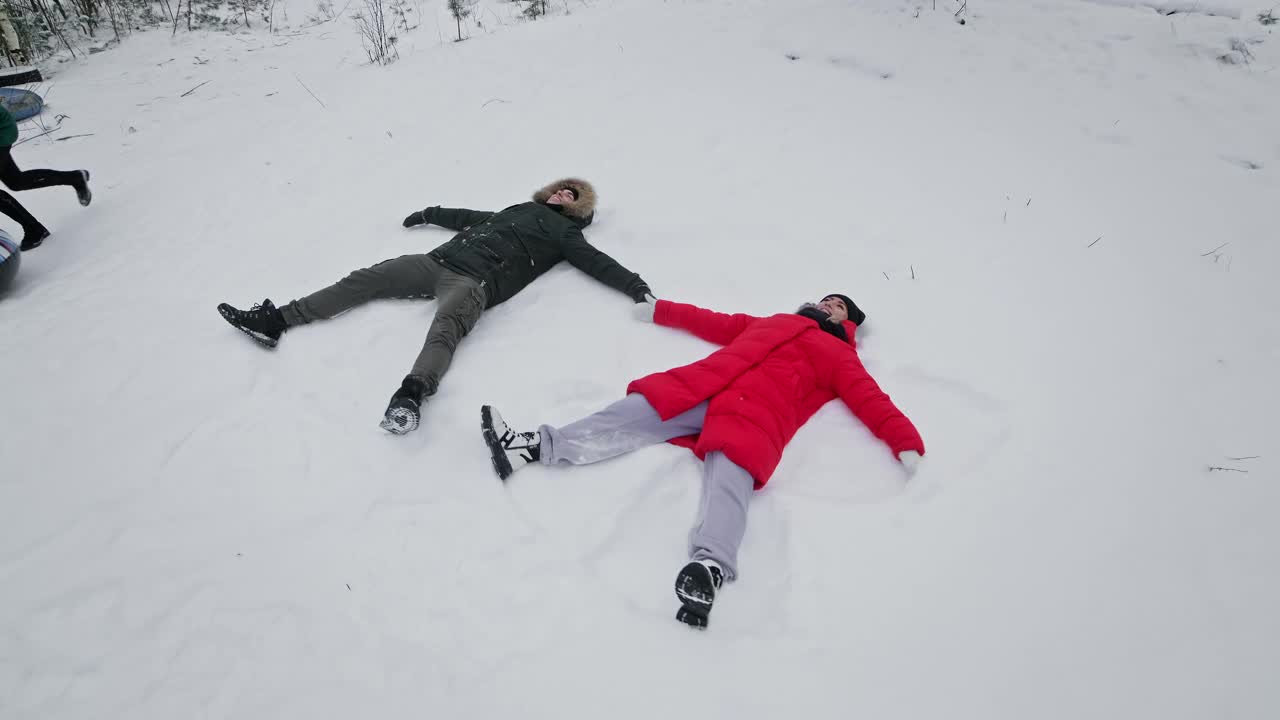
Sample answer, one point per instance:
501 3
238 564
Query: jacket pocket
491 254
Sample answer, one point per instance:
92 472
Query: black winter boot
696 586
404 411
264 323
33 237
83 193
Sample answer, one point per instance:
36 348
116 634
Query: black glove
415 219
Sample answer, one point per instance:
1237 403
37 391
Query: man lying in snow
736 409
493 257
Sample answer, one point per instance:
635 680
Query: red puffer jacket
772 376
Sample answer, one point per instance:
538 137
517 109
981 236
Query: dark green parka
8 128
509 249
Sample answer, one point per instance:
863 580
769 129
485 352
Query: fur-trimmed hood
583 208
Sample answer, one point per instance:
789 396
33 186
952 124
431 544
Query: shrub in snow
220 13
1240 54
533 9
460 10
375 32
400 13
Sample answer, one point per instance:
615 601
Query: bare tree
460 12
54 28
379 44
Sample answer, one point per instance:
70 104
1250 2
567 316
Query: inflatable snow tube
21 104
20 75
10 259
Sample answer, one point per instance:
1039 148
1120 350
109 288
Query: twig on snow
1247 457
493 100
72 136
46 132
1095 242
1212 468
1207 254
206 82
304 87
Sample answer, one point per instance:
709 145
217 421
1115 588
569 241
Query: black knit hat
856 316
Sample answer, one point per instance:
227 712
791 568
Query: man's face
563 196
834 307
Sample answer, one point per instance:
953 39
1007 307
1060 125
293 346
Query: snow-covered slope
1060 218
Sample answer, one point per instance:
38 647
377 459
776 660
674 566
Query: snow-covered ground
1060 218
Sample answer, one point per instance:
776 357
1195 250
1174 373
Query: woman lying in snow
736 409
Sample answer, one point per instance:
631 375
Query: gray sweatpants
460 302
632 423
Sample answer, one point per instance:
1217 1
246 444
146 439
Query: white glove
910 460
644 311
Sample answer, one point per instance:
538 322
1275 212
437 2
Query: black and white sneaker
508 449
263 323
404 411
696 586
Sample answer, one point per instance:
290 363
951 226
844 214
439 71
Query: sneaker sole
263 340
692 600
695 607
399 421
501 465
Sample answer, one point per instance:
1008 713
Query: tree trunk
53 28
111 15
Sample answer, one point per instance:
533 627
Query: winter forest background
1059 216
36 29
